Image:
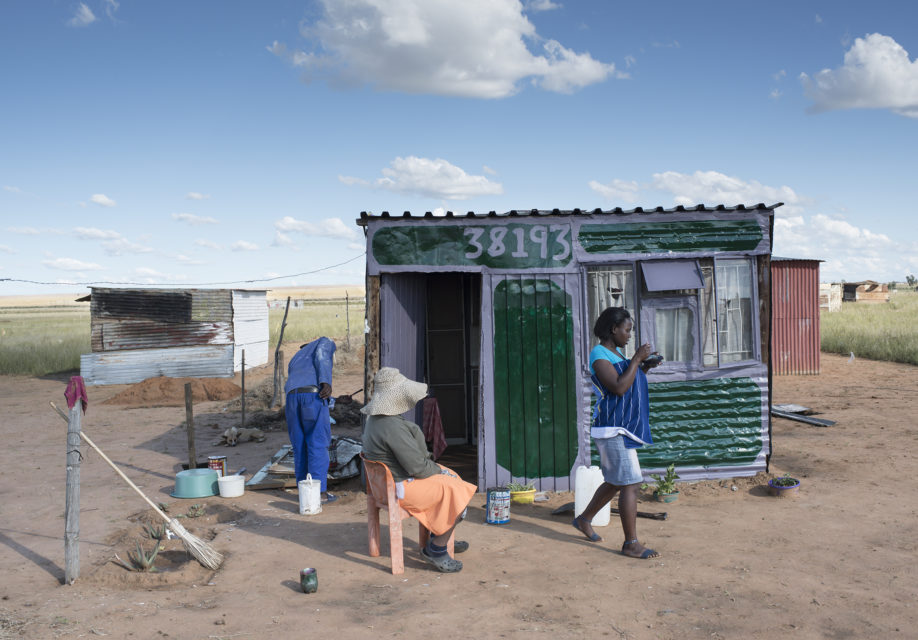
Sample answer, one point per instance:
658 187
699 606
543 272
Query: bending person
621 424
308 389
432 493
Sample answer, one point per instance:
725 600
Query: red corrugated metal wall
795 317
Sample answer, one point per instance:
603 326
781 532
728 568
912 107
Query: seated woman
433 494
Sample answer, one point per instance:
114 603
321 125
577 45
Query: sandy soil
839 561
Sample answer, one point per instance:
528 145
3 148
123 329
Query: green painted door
534 377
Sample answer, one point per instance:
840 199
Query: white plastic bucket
231 486
310 493
586 481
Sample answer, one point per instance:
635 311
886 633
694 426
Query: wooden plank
371 353
265 479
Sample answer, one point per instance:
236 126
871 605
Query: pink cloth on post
76 390
433 427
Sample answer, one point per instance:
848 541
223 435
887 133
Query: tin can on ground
309 580
218 464
498 505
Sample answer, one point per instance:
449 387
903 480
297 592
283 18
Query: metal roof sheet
365 216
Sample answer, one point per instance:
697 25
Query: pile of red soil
170 392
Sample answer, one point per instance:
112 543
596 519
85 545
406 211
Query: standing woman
621 424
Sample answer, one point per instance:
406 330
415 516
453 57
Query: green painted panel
502 246
660 237
534 376
707 423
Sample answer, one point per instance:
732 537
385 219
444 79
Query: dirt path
837 562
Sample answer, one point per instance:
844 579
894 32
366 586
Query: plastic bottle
586 481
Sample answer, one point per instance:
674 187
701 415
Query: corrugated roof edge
783 259
514 213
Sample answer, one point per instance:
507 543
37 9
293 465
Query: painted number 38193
521 241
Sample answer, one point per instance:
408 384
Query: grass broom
202 552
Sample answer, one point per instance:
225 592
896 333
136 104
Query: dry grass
876 331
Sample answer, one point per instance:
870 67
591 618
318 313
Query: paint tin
309 580
498 505
218 464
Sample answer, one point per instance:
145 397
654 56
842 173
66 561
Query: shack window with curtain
611 286
669 311
735 309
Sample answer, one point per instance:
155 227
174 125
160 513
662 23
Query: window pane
734 310
708 334
611 287
674 339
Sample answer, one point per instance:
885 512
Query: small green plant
140 560
155 532
196 510
785 481
163 507
665 483
516 486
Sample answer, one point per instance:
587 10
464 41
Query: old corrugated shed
143 333
795 335
495 312
830 296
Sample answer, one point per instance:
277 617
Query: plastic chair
381 495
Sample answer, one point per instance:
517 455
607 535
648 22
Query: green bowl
196 483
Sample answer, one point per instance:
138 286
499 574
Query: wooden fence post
243 389
277 352
189 423
72 501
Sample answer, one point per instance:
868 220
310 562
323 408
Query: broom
203 552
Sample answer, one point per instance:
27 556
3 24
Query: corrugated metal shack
830 296
867 291
199 333
495 312
794 316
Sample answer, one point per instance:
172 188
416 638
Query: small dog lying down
233 436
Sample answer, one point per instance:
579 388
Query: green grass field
36 341
874 331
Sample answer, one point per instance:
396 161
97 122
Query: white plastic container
586 481
231 486
310 494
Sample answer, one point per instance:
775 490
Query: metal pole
243 388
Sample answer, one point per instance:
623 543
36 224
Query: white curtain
611 287
734 310
674 336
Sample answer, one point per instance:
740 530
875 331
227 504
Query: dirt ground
839 561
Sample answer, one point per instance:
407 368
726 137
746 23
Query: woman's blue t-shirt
628 413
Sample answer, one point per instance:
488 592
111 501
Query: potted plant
665 487
784 487
521 493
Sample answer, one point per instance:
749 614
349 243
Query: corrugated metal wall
795 317
250 328
534 381
403 309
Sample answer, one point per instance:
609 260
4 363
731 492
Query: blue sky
188 143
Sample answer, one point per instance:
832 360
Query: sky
234 144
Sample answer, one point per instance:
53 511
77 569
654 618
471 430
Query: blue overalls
307 416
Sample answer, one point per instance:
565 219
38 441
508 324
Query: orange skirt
437 501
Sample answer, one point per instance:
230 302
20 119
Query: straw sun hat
393 393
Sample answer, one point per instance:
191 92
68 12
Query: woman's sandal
460 546
595 537
645 554
443 563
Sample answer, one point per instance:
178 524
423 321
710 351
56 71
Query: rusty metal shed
495 312
200 333
795 346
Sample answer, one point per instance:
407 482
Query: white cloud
432 179
780 75
209 244
243 245
148 275
328 228
90 233
489 170
356 246
188 259
630 61
284 240
7 187
71 264
775 94
82 17
6 249
876 74
541 5
102 200
113 242
24 231
713 188
111 6
473 48
617 190
194 195
192 219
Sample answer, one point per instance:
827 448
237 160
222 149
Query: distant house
795 301
199 333
867 291
830 296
